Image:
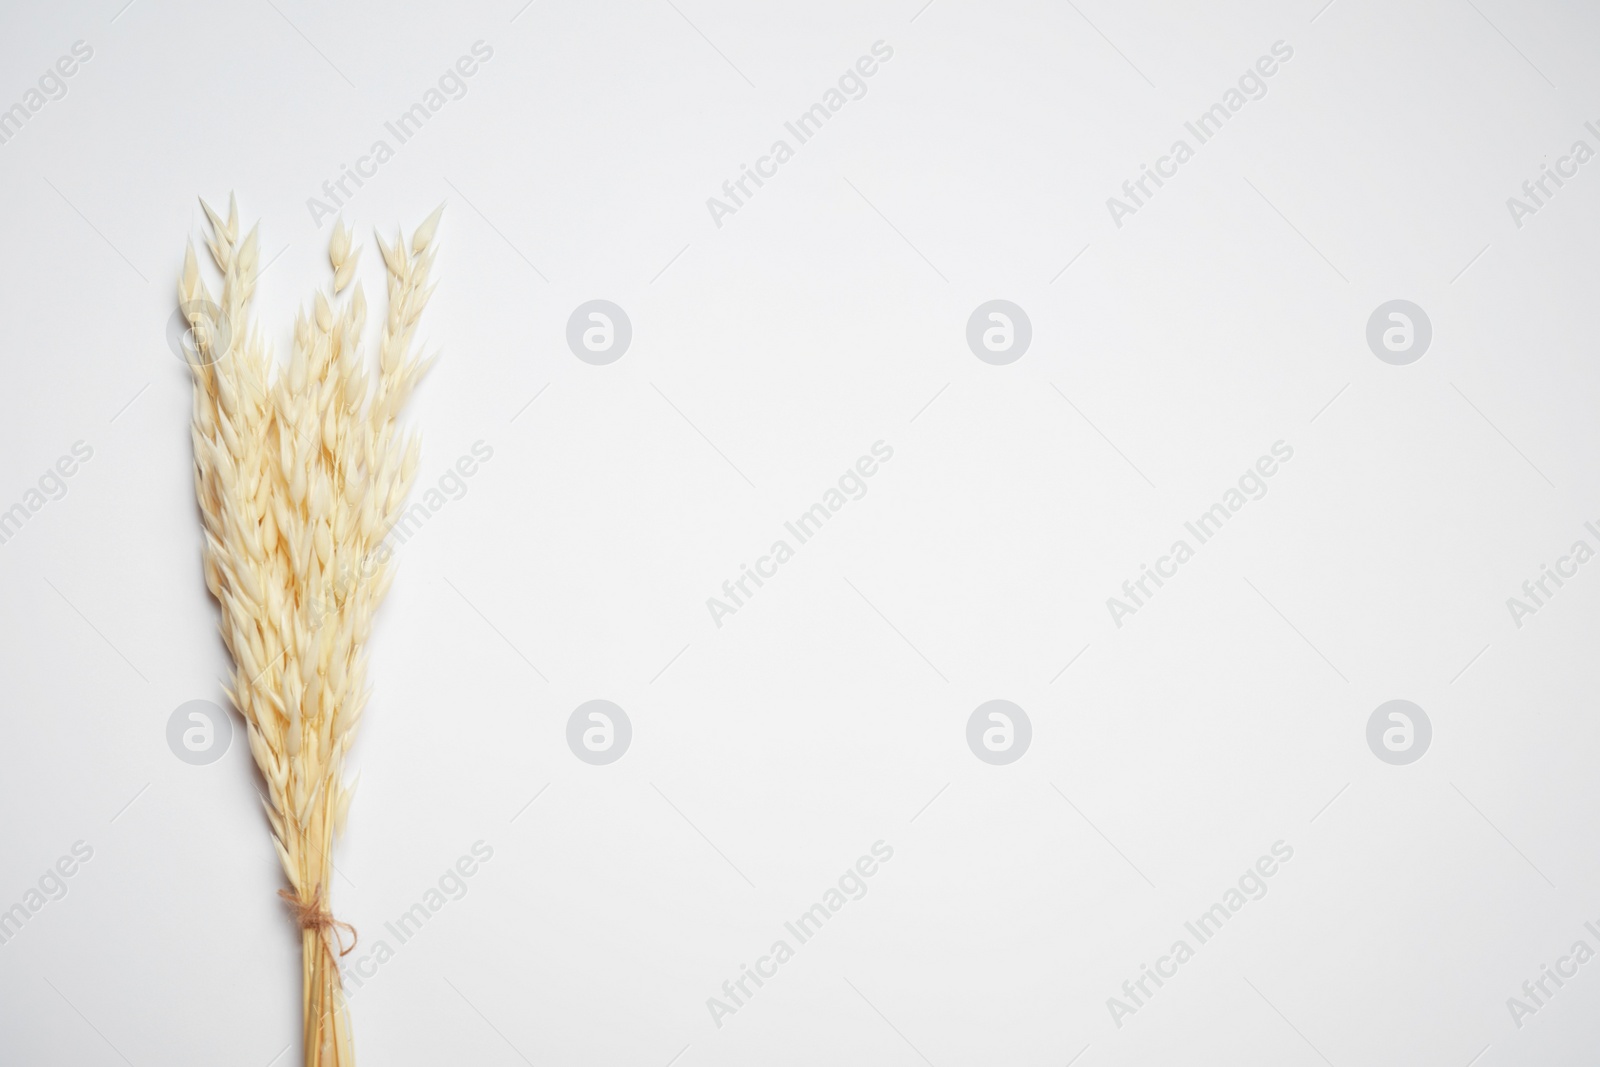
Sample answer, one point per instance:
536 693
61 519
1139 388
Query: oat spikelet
300 471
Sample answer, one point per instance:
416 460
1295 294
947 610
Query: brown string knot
314 915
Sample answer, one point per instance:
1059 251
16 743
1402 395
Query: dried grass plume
300 471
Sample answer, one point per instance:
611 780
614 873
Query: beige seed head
299 473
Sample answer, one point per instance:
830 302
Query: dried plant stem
300 472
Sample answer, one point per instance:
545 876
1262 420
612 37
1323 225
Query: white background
768 354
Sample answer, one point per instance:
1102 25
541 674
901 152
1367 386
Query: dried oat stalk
300 471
